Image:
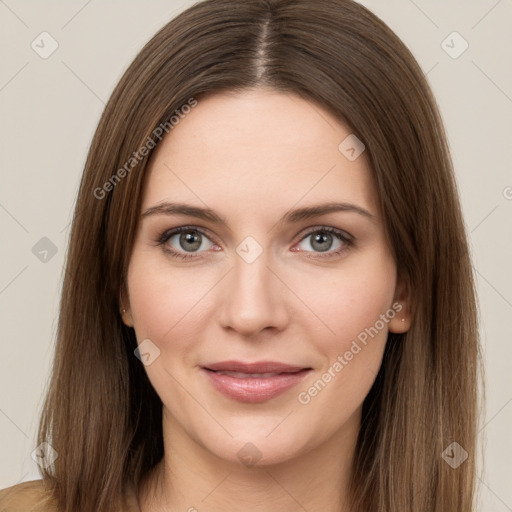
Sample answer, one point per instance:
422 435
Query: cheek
167 309
350 300
159 295
356 305
166 303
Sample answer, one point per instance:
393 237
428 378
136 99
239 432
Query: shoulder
32 496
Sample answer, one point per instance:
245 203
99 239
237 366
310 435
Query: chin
257 447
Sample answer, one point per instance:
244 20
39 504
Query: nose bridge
254 299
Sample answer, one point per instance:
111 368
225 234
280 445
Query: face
257 276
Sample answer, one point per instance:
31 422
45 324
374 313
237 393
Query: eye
185 239
322 239
185 242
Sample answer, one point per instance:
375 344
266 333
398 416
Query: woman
268 301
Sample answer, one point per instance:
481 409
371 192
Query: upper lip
257 367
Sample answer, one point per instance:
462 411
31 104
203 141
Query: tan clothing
33 497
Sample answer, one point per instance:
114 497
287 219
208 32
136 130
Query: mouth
253 382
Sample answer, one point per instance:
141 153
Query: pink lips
253 382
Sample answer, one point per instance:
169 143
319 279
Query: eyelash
347 240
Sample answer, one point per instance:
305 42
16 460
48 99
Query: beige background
49 110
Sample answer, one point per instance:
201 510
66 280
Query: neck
191 478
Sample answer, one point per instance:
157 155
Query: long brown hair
102 415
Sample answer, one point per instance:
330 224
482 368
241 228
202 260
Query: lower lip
254 389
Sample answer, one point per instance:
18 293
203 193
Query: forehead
260 149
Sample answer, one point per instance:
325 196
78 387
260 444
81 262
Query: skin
251 157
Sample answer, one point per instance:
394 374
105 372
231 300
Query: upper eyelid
168 233
329 229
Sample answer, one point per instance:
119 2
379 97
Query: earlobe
126 315
401 322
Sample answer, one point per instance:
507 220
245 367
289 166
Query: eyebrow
292 216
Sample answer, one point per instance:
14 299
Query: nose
254 298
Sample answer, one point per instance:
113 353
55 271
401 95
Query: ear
124 307
402 320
